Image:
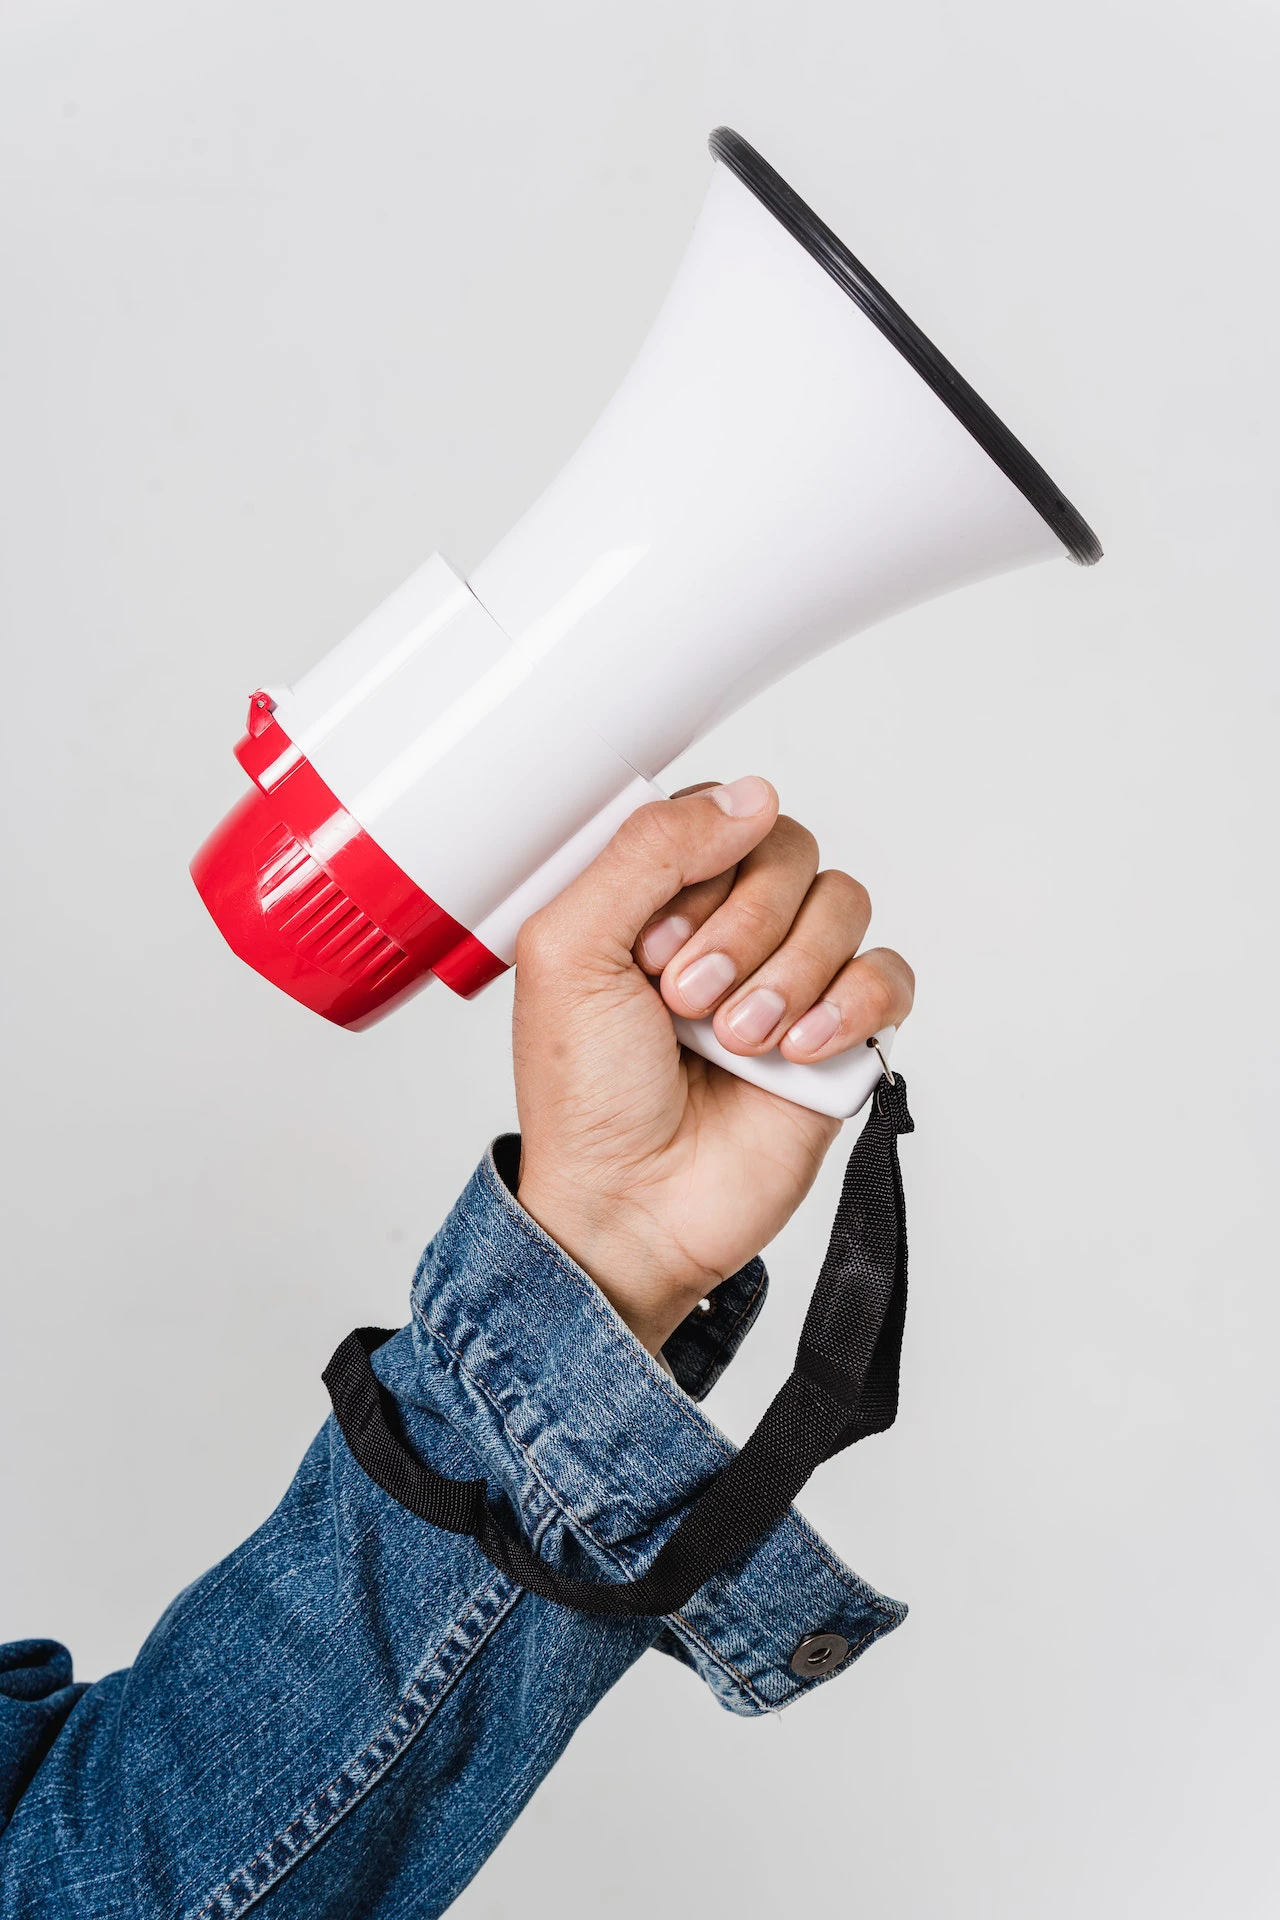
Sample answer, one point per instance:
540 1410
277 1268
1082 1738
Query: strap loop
843 1387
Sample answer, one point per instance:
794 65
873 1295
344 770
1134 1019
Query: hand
659 1173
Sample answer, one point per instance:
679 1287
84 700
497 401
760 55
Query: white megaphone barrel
788 460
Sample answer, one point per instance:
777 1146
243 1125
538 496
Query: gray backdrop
296 293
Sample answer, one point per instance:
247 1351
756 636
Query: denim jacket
346 1715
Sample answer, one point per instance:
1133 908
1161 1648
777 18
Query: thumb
657 850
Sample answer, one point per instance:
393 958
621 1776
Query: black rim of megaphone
972 411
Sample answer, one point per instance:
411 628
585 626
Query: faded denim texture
346 1715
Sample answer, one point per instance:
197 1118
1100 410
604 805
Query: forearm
330 1681
353 1677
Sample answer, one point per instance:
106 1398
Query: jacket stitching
217 1905
793 1693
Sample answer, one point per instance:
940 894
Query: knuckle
886 988
535 942
756 924
881 1000
842 891
796 838
906 976
651 834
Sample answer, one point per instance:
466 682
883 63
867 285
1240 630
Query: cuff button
818 1653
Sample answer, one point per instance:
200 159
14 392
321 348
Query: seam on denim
493 1824
791 1693
685 1405
893 1610
890 1621
721 1660
217 1906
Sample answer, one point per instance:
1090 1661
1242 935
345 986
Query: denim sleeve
347 1714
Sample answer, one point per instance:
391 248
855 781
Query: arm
354 1704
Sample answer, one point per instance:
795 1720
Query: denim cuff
598 1451
705 1342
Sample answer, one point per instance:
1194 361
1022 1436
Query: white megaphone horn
788 460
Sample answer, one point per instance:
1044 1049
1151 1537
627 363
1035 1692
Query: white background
294 293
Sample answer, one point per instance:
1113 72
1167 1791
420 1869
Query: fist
659 1173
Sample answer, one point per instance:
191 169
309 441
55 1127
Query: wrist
641 1273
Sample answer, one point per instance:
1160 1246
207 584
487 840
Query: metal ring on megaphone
885 1068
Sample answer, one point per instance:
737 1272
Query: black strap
844 1386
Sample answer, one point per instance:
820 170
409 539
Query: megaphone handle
839 1086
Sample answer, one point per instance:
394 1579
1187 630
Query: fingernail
817 1027
742 797
755 1018
706 980
663 940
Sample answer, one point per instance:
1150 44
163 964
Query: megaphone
788 460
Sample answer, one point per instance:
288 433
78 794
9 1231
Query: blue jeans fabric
346 1715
